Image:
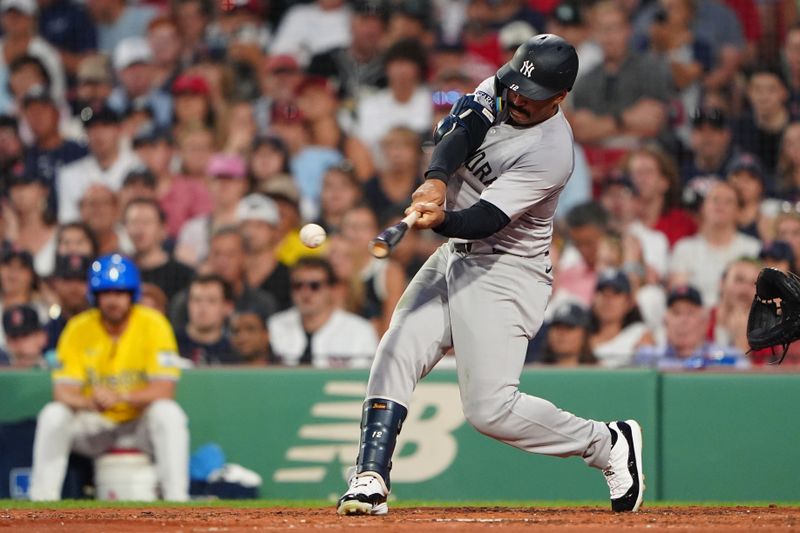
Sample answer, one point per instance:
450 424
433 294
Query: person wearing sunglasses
314 332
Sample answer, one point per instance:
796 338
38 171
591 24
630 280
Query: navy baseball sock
381 422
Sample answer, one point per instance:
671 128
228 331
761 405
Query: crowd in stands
198 137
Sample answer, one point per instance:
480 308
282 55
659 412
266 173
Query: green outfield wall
722 437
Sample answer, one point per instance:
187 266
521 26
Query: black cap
140 174
72 266
19 174
613 279
12 254
103 115
421 10
746 163
139 105
21 320
271 140
713 116
568 14
619 180
779 250
149 133
570 314
37 93
685 293
376 8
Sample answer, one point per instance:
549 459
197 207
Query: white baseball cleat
365 496
624 472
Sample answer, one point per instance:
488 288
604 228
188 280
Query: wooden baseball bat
382 245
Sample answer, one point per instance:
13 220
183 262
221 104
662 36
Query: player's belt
480 248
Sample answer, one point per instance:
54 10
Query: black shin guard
381 422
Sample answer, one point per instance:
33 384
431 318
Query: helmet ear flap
500 101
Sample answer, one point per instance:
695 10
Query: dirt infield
573 519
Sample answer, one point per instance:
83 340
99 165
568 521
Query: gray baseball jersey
487 301
521 171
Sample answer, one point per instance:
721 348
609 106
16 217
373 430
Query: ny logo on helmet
526 69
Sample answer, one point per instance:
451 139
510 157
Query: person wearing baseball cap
133 65
567 337
569 20
685 346
28 194
69 286
259 219
617 327
778 254
20 41
282 76
49 151
192 103
95 81
512 35
227 185
284 191
108 162
25 337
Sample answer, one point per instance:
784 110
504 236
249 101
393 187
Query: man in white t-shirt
701 259
309 29
314 332
406 101
109 161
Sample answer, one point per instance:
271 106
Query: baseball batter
114 387
502 157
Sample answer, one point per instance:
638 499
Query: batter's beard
513 122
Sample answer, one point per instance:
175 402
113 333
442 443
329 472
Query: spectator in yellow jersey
114 386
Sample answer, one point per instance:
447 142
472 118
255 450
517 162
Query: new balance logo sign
329 442
526 69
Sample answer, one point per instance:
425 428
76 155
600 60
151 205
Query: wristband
436 174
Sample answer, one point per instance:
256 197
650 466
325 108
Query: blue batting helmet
114 273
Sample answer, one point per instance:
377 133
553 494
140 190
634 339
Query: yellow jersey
87 355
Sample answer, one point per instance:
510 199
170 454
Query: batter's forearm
479 221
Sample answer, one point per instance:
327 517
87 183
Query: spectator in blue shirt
67 26
49 151
686 328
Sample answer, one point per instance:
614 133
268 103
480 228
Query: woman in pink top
181 197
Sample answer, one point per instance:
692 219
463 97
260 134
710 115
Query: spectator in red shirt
655 176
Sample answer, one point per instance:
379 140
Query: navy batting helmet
542 67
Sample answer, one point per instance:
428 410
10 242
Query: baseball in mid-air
312 235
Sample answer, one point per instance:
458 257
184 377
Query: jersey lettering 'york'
522 171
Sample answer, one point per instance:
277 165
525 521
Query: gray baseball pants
485 306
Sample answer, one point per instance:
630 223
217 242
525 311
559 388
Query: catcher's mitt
774 318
